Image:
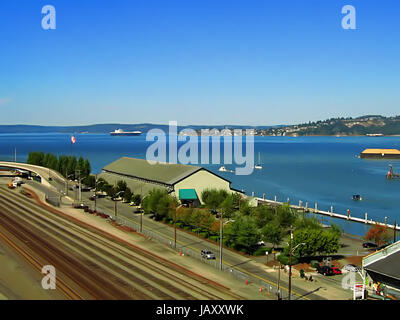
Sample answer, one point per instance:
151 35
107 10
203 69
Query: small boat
222 169
357 197
258 165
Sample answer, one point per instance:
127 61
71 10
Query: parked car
325 270
207 254
260 243
336 270
369 245
351 268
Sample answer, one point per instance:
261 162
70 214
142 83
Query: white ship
120 132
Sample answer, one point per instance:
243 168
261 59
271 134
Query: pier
305 208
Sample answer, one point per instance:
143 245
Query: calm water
313 169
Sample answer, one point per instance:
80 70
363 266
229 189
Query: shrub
214 238
203 234
284 259
187 228
314 263
179 224
197 230
261 251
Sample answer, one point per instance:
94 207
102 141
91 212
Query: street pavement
322 288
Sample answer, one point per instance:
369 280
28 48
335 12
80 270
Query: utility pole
290 262
141 223
95 192
394 231
66 182
220 240
279 281
175 228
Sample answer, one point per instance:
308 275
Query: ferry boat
120 132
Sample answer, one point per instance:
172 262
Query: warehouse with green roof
185 182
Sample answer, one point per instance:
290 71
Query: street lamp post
290 262
220 240
175 228
95 192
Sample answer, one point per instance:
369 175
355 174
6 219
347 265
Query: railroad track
107 269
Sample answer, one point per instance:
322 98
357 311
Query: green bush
197 230
284 259
179 224
314 263
214 238
187 228
261 251
203 234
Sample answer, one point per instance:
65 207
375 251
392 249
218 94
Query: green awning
187 194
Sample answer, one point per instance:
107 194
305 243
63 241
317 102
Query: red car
336 270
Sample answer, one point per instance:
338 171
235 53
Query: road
91 264
325 289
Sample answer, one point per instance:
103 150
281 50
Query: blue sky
197 61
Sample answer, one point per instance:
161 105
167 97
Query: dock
331 214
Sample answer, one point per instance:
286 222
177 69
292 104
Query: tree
242 234
307 223
160 203
273 233
136 199
263 215
286 217
213 198
86 168
228 206
315 242
127 195
378 234
35 158
201 218
89 181
80 166
121 185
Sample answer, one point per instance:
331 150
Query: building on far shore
185 182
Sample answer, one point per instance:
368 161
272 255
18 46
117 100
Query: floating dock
315 210
380 154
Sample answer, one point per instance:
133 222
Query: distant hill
106 128
360 126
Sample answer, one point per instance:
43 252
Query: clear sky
251 62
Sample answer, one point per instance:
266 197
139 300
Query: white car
350 268
260 243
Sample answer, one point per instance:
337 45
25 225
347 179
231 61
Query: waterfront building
185 182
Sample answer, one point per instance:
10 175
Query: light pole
220 240
290 260
175 228
95 192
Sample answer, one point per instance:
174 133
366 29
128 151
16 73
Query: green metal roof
187 194
164 173
136 186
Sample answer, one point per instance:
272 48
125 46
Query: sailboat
258 165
